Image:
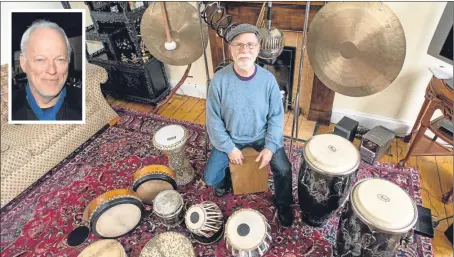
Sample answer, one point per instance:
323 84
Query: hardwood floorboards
436 172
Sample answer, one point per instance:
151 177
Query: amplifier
375 144
346 128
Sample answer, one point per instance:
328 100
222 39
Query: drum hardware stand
303 47
207 74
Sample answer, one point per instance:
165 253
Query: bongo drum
247 233
378 218
205 222
330 163
168 244
151 180
104 248
168 206
115 213
171 140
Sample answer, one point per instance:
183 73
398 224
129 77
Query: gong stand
297 109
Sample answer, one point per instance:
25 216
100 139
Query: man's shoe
285 215
225 186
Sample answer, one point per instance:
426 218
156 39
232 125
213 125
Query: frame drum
104 248
151 180
171 139
168 206
247 233
115 213
379 217
168 244
325 178
205 221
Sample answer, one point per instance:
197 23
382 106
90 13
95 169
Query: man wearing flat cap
244 109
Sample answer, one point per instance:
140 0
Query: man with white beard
244 109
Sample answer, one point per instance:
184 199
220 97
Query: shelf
118 17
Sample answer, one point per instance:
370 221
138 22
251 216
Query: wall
6 24
398 105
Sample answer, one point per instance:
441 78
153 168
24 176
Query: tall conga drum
325 177
379 217
171 140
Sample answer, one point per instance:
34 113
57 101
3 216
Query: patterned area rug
38 221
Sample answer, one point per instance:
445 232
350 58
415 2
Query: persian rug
39 220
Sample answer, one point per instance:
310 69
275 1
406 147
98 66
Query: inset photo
47 67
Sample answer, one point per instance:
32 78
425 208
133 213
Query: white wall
398 105
6 22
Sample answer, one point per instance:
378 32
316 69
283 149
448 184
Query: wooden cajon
248 178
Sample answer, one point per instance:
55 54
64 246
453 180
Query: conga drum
379 217
151 180
168 206
168 244
330 163
171 140
205 221
104 248
247 233
115 213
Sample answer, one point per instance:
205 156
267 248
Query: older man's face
45 62
245 49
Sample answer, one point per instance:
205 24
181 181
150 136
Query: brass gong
356 48
183 22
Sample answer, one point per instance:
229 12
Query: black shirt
71 108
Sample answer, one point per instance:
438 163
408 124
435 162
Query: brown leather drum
153 179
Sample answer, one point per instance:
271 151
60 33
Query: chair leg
424 107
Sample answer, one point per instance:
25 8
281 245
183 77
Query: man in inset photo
45 57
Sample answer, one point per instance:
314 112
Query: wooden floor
436 172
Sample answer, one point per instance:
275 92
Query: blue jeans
280 166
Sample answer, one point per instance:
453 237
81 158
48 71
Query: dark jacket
70 110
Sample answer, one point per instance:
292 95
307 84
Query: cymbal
184 29
356 48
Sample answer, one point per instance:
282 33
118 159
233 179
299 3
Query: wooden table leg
415 128
425 122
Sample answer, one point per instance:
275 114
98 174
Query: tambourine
153 179
110 215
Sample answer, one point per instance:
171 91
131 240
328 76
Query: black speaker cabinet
346 128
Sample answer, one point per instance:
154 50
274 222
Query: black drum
325 178
379 217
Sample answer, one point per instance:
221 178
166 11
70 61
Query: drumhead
168 244
384 205
195 217
246 229
331 155
167 202
118 220
169 135
104 248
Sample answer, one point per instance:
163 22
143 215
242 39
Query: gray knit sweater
242 110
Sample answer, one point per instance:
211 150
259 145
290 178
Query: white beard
244 65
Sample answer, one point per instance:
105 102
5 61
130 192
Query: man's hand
236 157
266 156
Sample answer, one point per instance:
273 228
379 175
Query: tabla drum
104 248
115 213
330 163
151 180
169 207
379 217
171 140
205 221
168 244
247 233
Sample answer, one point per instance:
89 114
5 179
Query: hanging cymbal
184 27
356 48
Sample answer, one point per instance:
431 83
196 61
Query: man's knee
280 163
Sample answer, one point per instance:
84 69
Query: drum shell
147 181
356 238
320 195
174 218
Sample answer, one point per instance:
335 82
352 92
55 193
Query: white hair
48 25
